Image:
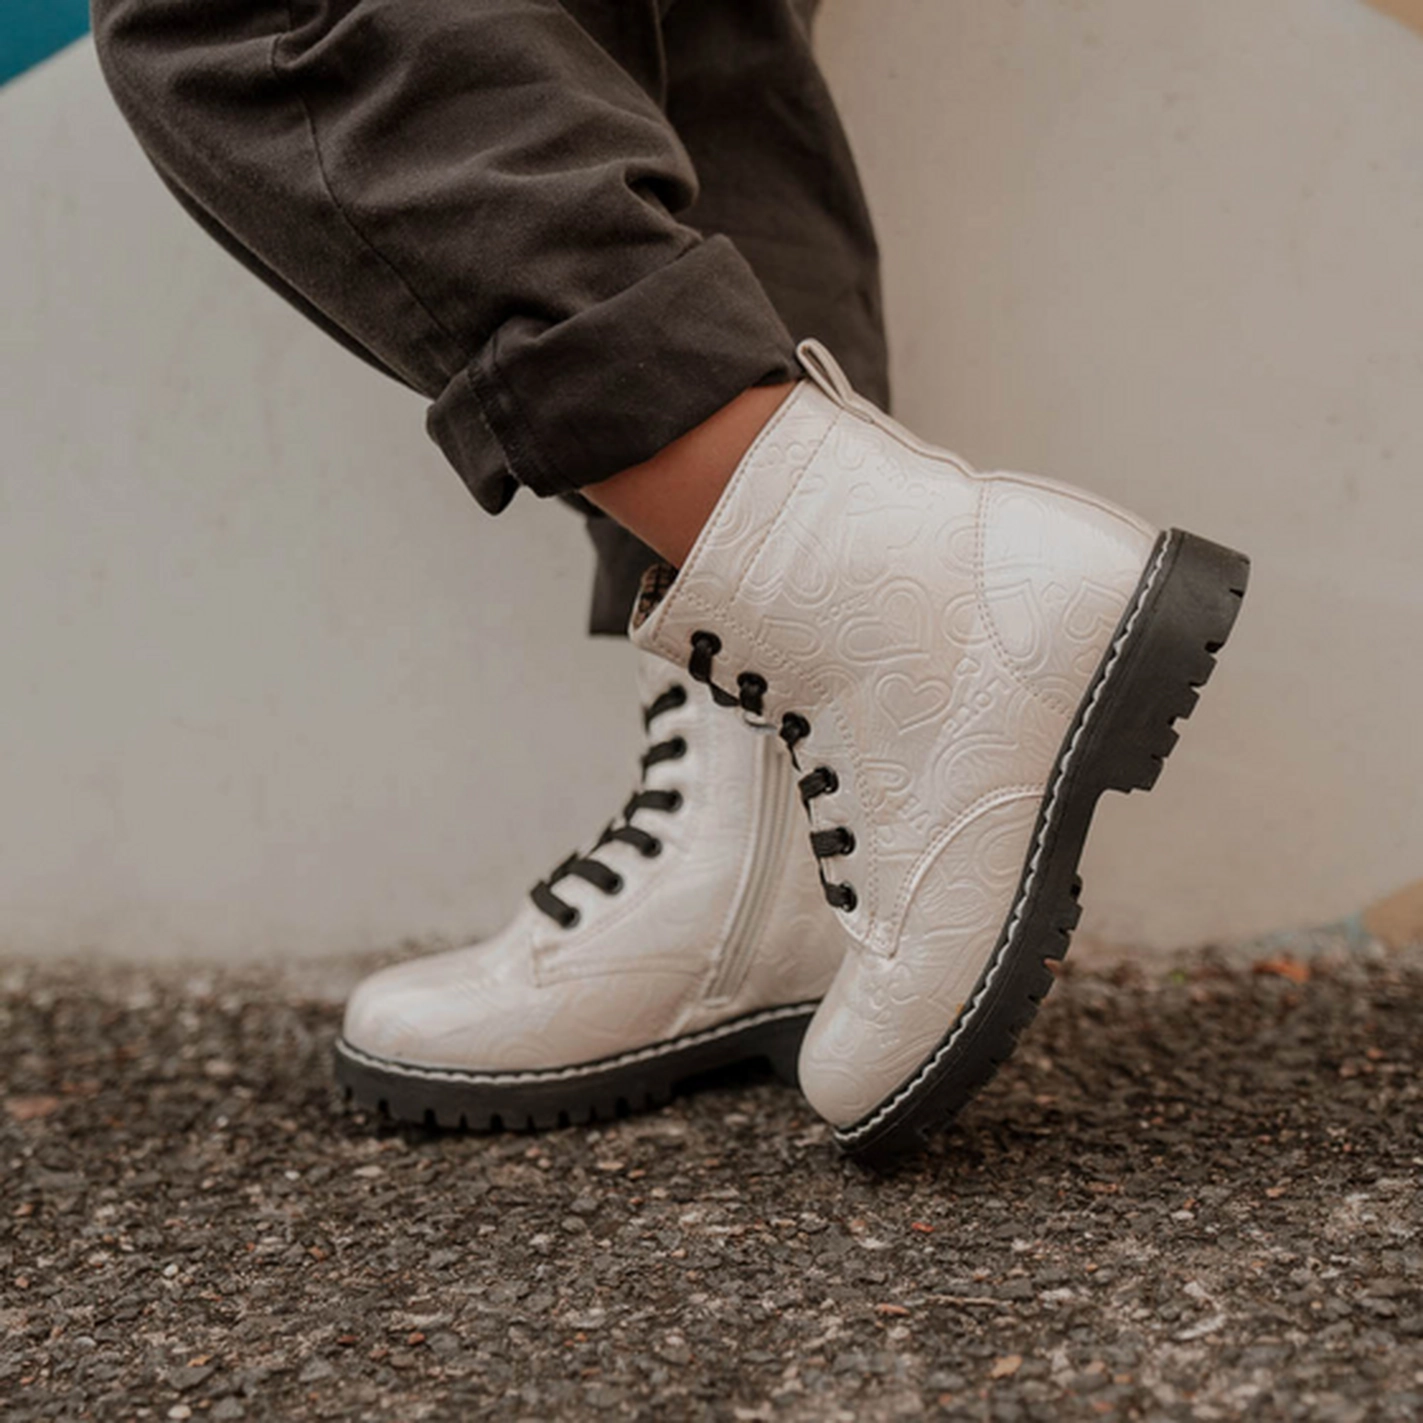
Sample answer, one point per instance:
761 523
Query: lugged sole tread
449 1100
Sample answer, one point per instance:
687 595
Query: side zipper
768 853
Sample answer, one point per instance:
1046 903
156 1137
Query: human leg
481 194
364 158
776 176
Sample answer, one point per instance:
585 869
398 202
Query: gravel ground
1194 1194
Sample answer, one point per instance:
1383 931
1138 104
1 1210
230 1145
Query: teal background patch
32 30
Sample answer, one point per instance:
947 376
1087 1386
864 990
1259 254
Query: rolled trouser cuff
556 406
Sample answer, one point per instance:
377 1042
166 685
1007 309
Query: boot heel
781 1050
1165 651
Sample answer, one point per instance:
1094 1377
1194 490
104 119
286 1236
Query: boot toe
459 1009
384 1012
856 1052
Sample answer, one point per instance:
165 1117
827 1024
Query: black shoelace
750 696
595 871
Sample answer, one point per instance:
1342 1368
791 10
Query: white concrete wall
1175 252
272 684
271 681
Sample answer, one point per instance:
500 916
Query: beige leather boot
960 663
691 936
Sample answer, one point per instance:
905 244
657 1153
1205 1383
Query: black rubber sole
599 1091
1163 651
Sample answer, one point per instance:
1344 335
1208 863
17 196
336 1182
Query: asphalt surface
1194 1194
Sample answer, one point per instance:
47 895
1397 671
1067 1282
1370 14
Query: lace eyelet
847 841
676 802
829 780
794 728
708 640
570 920
615 885
849 900
679 748
652 850
751 692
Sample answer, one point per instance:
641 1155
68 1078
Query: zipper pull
825 371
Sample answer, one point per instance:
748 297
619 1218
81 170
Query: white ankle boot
960 663
692 936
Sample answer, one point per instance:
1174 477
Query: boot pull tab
825 371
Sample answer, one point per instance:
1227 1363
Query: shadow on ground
1194 1196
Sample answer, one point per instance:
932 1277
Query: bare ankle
666 500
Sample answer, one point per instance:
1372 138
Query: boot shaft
934 626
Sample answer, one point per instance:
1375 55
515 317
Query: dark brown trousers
578 227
